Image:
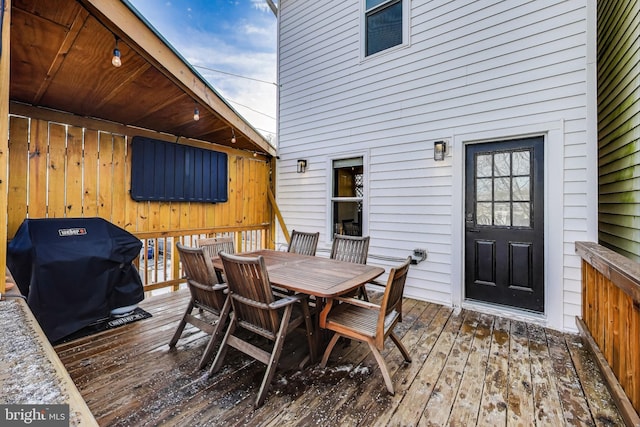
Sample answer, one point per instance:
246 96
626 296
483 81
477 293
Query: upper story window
385 25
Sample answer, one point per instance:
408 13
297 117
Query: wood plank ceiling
61 59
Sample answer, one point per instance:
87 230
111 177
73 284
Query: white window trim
406 24
365 193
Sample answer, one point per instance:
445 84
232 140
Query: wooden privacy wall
611 312
58 170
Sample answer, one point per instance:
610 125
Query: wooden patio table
320 277
312 275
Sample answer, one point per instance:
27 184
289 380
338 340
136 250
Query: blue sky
234 36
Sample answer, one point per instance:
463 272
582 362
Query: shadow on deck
468 369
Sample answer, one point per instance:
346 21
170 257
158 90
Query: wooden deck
468 369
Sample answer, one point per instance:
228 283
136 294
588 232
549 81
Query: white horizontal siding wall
471 68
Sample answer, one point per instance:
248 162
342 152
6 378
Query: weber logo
66 232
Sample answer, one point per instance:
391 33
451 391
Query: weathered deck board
440 404
548 409
587 370
467 402
467 369
574 404
493 403
410 411
520 410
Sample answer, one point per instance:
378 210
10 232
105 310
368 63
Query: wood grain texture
465 371
70 171
611 315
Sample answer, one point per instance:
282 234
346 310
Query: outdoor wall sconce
302 166
439 150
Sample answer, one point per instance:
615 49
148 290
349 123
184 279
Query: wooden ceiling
61 59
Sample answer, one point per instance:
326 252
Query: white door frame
553 133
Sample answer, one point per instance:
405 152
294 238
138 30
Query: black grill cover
74 271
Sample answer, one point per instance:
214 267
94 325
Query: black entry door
504 223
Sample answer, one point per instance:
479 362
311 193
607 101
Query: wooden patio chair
303 243
207 294
351 249
214 245
256 310
368 322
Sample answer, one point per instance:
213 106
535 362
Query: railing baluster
163 270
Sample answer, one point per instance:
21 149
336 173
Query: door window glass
484 165
483 213
520 188
502 164
521 212
483 190
503 189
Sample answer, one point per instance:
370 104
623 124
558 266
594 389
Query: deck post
5 21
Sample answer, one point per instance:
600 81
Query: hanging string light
233 136
196 113
115 60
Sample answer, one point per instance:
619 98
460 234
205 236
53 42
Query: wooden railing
159 265
611 321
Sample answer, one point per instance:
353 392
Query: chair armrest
358 302
251 302
283 302
216 287
378 283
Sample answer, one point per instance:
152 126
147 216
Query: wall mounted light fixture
115 60
439 150
302 166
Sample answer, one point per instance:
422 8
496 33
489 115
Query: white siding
470 68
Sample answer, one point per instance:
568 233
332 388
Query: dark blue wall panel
169 171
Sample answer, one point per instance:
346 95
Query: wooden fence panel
37 194
62 170
105 176
611 313
118 181
18 173
56 168
239 193
130 206
72 171
74 187
90 174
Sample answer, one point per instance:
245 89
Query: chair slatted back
214 245
201 276
350 248
392 299
251 293
303 243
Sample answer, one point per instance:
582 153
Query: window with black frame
383 25
347 196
